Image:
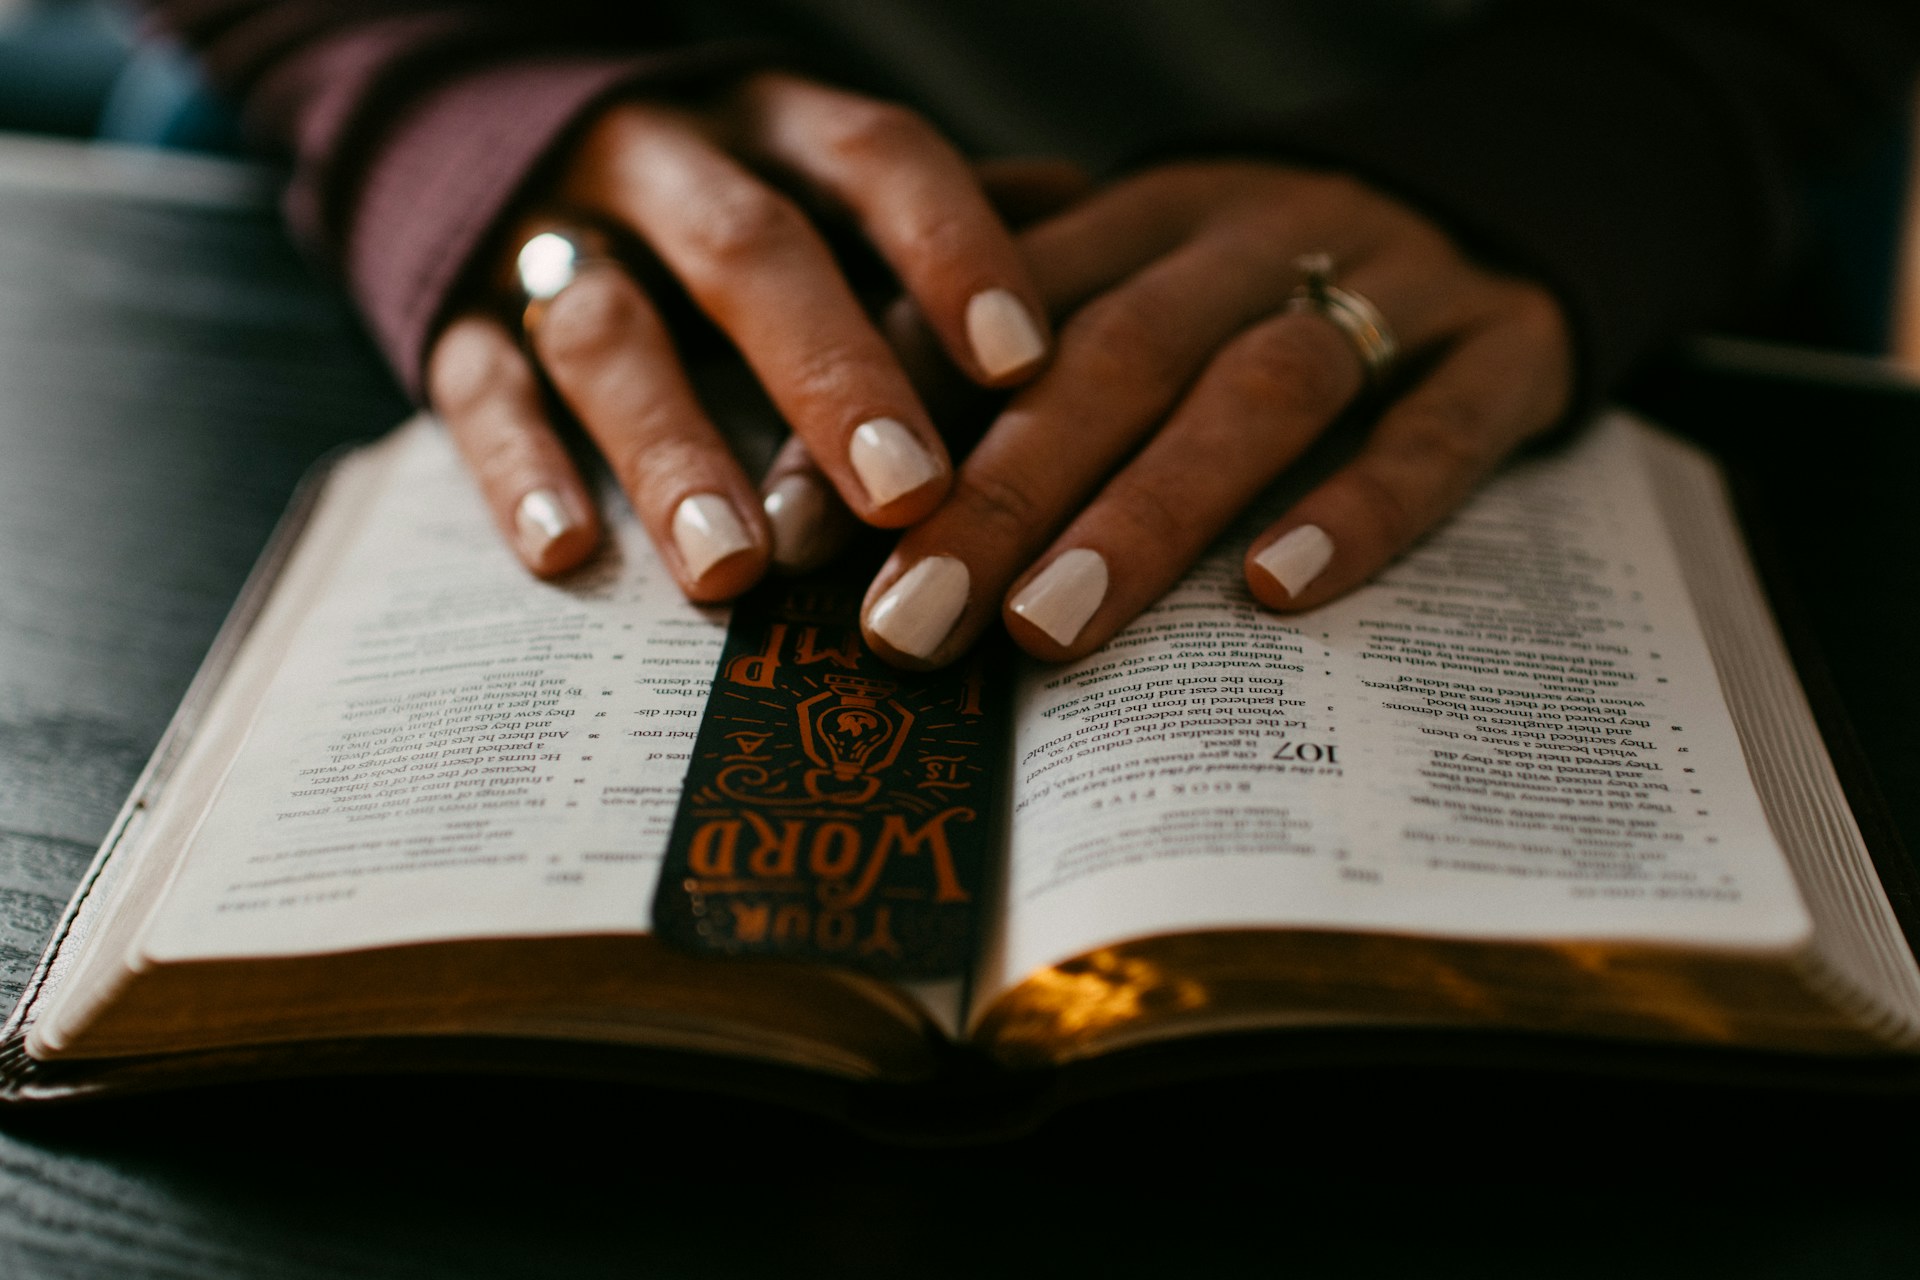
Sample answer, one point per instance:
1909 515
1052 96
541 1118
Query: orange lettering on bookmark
757 670
818 820
845 655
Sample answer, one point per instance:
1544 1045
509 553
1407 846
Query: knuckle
589 320
498 459
1446 437
827 376
1535 315
613 129
999 507
1323 196
1286 370
749 223
1539 340
931 233
468 364
1383 507
651 464
879 132
1123 345
1153 516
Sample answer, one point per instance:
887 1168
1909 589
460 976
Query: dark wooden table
168 368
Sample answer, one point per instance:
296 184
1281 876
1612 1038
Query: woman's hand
686 187
1183 385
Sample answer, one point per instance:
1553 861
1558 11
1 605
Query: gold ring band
1365 328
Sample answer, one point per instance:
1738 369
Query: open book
1551 777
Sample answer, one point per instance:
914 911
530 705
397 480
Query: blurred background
80 69
85 69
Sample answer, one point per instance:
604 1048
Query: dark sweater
1641 157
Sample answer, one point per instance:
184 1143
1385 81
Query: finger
1124 361
609 357
1495 389
809 523
482 387
1073 257
755 265
920 205
1093 245
1022 191
1267 396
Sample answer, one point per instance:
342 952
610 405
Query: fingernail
1003 335
889 460
918 611
539 521
796 510
706 531
1065 595
1297 559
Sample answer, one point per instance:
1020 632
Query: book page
1515 732
451 748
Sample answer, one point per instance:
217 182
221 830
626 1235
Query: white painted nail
918 611
796 510
1065 595
1003 335
1297 559
707 531
539 521
889 460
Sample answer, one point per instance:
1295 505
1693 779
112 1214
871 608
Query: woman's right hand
686 186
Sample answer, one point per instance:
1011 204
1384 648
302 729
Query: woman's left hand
1182 385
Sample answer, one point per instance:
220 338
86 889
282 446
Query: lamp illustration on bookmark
853 734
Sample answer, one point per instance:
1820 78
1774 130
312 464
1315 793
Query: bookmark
836 809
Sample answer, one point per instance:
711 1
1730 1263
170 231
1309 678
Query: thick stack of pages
1550 776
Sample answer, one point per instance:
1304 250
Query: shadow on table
1362 1173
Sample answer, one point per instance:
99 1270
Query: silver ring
1353 315
549 262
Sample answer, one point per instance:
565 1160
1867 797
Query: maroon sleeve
414 126
448 166
1646 160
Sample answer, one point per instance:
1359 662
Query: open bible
1549 780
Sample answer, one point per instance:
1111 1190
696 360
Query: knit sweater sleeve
415 127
